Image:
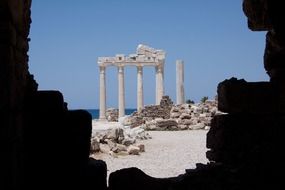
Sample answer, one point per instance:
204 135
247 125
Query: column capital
159 68
102 69
121 69
140 68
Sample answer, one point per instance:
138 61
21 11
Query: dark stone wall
266 15
43 145
15 85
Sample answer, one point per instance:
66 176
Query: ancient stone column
139 88
102 111
159 83
121 91
180 97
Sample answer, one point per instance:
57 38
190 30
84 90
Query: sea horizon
95 112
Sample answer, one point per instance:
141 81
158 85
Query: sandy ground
167 154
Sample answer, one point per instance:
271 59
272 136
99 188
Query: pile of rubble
126 138
167 116
119 141
112 114
149 113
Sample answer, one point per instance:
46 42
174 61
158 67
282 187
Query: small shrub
190 101
204 99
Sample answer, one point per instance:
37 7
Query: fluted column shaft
159 83
180 98
139 88
121 92
102 111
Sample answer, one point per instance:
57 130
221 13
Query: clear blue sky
212 38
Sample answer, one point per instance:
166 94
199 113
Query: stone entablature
145 56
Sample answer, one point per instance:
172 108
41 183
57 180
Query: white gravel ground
167 154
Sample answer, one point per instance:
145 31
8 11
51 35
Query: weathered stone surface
238 96
211 176
158 111
236 138
175 115
139 180
119 140
112 114
133 121
166 124
133 150
95 145
128 141
119 148
197 126
183 116
274 55
256 12
264 14
141 147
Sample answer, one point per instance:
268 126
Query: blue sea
95 112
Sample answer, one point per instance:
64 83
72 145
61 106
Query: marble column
159 83
180 98
121 91
102 112
139 88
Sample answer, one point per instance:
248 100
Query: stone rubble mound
119 141
112 114
167 116
125 139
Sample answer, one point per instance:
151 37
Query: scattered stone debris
112 114
119 141
126 138
167 116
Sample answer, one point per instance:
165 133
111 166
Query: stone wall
158 111
16 84
37 131
265 15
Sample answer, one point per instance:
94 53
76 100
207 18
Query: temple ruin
145 56
245 146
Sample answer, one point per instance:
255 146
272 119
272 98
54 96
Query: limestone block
274 55
95 145
141 147
185 116
239 96
48 101
175 115
186 122
256 11
182 127
119 148
128 141
236 137
264 14
112 114
133 150
197 126
167 123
